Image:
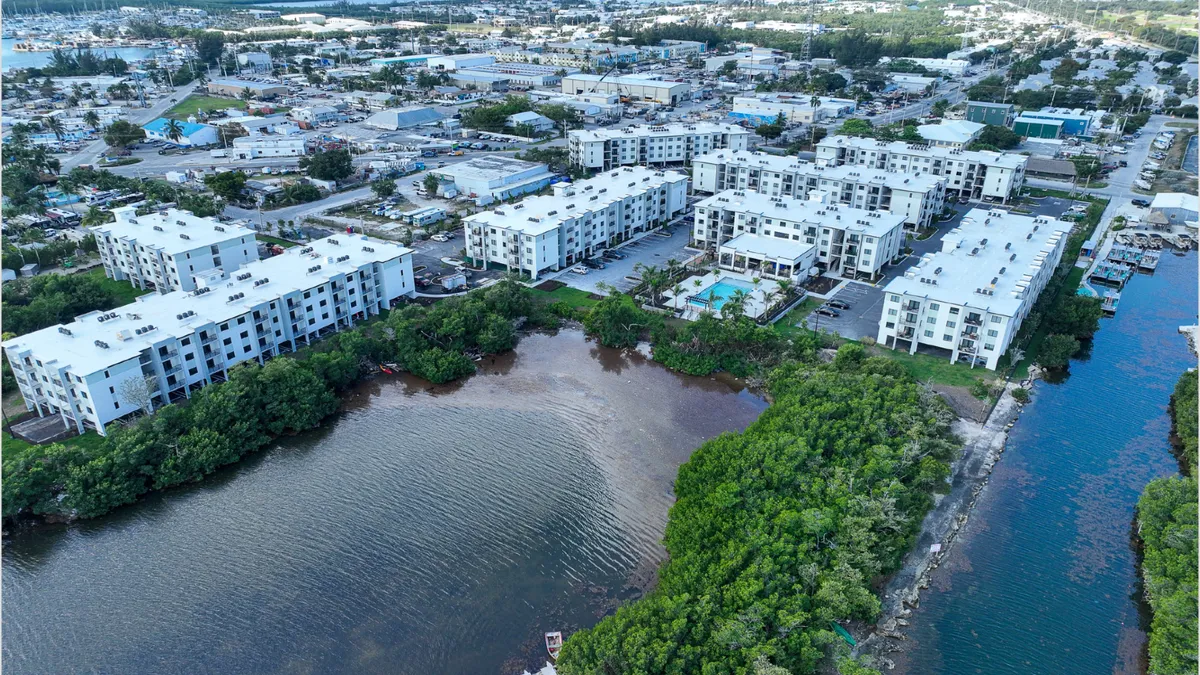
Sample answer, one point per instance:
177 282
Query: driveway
862 319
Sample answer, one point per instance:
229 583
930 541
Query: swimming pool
718 293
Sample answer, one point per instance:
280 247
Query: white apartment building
163 251
183 341
317 114
850 242
971 297
976 174
604 149
919 198
576 222
798 109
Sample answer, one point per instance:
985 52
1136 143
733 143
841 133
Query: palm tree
174 130
93 217
672 267
784 286
246 94
92 119
735 305
677 291
54 125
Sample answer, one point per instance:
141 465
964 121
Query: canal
425 530
1044 579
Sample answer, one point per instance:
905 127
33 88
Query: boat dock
1141 259
1108 303
1112 274
1149 261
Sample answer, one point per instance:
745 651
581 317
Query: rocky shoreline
983 445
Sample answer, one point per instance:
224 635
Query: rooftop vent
218 228
157 228
368 249
183 236
101 344
64 330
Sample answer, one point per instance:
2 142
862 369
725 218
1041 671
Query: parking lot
654 249
862 319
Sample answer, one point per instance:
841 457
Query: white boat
554 643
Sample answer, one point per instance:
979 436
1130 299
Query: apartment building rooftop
1006 160
771 247
173 231
819 209
986 262
538 215
98 340
488 168
919 182
675 129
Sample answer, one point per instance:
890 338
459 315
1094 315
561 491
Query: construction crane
607 73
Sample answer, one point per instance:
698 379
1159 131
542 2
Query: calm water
424 531
15 59
1045 581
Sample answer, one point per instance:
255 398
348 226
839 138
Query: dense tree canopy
49 299
778 531
328 164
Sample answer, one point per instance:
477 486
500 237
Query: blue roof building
191 134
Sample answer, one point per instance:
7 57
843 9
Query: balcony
974 321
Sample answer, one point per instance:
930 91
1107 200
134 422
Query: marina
1112 274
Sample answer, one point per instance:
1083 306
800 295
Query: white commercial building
253 147
952 67
673 49
653 144
494 177
455 62
317 114
536 121
524 74
914 84
971 297
576 222
957 134
850 242
179 342
799 109
668 93
974 174
163 251
918 198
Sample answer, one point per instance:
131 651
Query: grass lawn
192 104
787 325
574 296
125 291
276 240
14 448
1181 125
924 367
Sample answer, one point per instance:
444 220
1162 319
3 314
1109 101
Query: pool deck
756 304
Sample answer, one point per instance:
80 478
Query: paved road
90 154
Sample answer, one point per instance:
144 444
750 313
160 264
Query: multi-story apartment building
916 197
674 49
605 149
97 368
163 251
850 242
576 222
974 174
971 297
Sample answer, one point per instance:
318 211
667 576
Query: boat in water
386 370
554 643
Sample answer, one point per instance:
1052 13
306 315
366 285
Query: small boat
393 366
554 644
387 370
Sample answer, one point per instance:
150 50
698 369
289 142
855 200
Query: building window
993 333
947 338
895 298
989 347
933 306
954 310
928 333
931 320
227 341
996 319
951 324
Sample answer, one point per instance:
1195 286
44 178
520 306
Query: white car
579 270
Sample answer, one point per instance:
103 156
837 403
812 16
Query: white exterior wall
125 258
918 206
974 174
552 241
205 348
672 144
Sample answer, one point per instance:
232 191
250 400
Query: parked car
1143 203
615 255
826 311
579 270
1122 164
838 304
